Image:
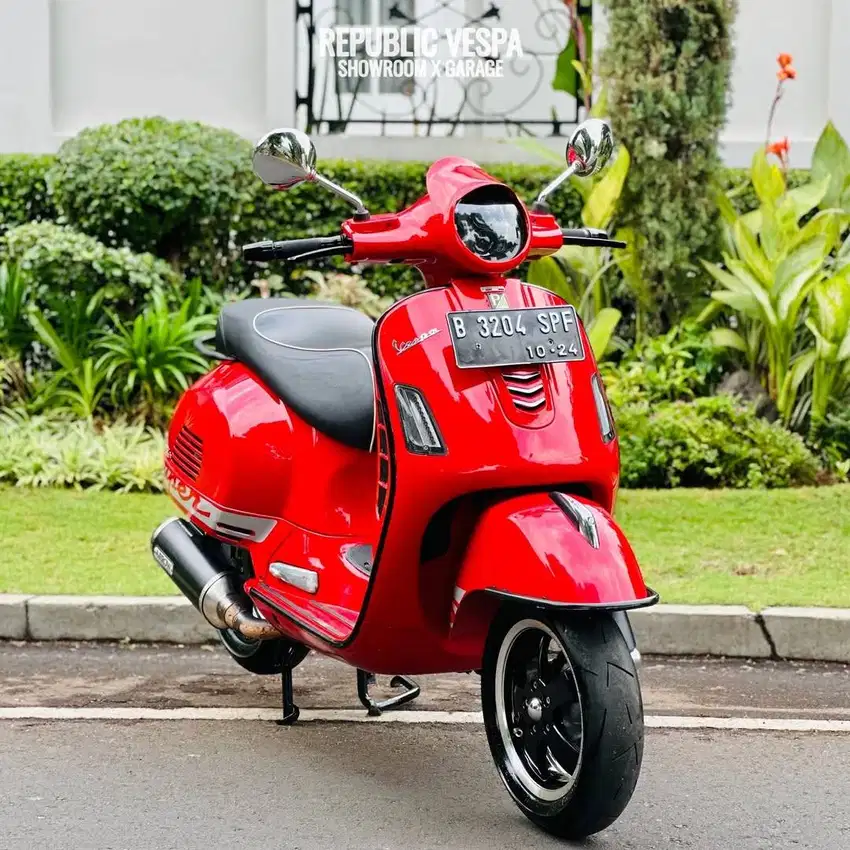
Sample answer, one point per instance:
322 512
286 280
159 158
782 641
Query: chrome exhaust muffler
209 583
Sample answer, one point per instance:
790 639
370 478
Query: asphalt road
146 785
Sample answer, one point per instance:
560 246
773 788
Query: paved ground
166 677
194 784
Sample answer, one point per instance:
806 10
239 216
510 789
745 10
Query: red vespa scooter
428 493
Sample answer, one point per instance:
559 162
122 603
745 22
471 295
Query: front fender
555 551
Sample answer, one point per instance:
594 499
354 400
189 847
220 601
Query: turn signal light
421 434
603 411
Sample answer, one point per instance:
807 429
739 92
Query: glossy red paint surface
425 235
260 458
559 564
448 520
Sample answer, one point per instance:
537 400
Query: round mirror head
590 147
285 158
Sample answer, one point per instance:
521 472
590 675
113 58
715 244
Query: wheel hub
539 710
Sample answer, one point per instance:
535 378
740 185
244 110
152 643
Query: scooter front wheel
564 718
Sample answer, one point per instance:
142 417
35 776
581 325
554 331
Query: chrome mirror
590 147
285 158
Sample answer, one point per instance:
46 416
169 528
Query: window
375 13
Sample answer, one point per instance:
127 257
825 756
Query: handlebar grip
258 252
288 249
591 237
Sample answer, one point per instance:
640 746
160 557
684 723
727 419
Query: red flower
780 148
788 73
784 60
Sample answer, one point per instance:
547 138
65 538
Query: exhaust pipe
208 582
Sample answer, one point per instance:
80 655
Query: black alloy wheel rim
539 711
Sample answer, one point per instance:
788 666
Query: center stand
376 707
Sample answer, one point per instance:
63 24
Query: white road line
765 724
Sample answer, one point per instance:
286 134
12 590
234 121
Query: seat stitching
316 350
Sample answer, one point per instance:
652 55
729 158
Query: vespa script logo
401 347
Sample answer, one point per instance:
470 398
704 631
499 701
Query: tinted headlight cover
491 223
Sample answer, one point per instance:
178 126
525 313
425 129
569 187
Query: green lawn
758 548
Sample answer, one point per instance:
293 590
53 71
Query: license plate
515 337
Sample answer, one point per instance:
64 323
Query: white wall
817 34
66 64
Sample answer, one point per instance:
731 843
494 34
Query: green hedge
709 442
23 190
211 230
61 260
172 188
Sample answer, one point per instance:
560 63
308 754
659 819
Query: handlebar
328 246
296 249
591 237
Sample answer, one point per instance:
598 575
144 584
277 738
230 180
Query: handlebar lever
590 237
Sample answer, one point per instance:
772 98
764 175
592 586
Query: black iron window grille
522 102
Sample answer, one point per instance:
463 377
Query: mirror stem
540 204
360 211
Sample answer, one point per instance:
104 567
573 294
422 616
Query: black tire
588 659
262 657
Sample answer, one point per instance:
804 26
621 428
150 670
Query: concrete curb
13 617
728 630
140 619
811 634
820 633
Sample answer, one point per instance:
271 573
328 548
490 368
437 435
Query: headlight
491 223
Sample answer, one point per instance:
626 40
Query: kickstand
374 707
290 709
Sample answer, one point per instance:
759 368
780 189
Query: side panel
233 442
527 547
250 472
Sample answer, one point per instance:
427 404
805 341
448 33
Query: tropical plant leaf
726 207
751 253
64 354
826 223
727 338
548 273
753 287
767 178
831 161
724 277
740 301
566 76
628 262
601 330
802 200
601 204
842 258
797 271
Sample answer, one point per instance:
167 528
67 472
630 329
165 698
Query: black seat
317 357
